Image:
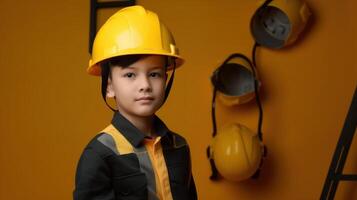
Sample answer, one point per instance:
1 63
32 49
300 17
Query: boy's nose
145 84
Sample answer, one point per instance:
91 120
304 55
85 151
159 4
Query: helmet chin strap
169 84
105 69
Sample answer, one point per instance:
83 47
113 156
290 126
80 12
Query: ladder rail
340 155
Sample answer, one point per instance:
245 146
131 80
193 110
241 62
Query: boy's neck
144 124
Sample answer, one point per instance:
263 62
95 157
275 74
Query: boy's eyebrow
151 68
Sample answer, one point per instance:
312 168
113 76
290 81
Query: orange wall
50 107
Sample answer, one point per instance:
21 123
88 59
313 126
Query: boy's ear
110 90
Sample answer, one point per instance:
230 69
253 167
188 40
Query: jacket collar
133 134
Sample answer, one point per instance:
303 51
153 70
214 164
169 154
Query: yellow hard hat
234 80
277 23
132 30
236 151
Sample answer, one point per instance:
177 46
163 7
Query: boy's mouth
146 98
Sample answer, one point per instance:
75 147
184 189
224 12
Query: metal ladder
95 5
334 174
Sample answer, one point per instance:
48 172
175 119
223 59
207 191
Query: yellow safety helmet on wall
132 30
237 152
277 23
234 80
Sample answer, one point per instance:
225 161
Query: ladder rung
113 4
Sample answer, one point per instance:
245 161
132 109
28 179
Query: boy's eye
155 74
129 75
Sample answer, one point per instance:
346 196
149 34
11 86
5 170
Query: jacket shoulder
103 144
178 140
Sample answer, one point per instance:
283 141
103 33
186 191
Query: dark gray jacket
103 174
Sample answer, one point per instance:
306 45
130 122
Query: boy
136 157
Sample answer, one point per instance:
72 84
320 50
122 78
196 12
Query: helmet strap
266 3
105 75
260 121
169 84
213 112
215 174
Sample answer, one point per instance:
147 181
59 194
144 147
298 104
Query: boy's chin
145 112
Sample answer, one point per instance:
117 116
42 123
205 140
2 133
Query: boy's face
139 89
